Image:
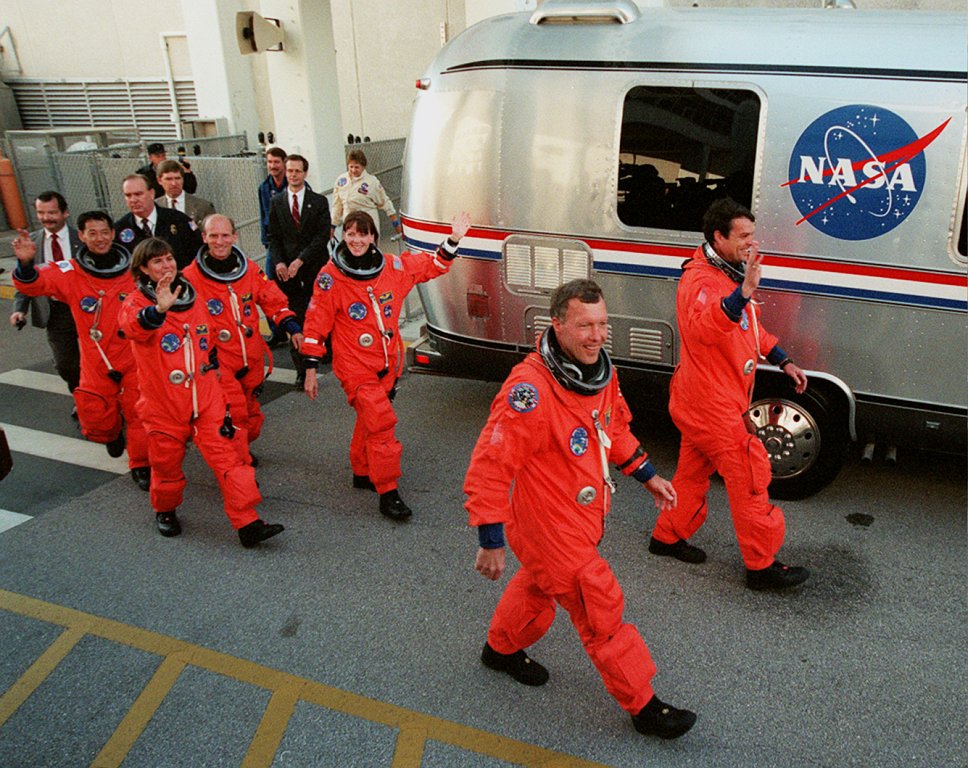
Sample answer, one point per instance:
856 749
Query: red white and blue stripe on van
798 274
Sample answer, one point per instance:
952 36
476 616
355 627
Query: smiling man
56 240
721 342
92 286
540 470
232 289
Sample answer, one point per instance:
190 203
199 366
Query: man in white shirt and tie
56 240
171 176
145 220
299 231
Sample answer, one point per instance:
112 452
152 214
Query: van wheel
804 439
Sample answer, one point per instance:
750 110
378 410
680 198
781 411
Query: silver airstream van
588 138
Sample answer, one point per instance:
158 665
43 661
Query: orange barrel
10 196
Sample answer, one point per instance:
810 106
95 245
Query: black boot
142 477
663 720
258 531
681 550
116 446
363 482
777 576
522 668
167 523
393 507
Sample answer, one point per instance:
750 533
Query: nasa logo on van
857 172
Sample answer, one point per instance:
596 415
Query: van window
682 148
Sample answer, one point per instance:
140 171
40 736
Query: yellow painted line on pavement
141 712
275 720
287 690
7 291
30 680
410 748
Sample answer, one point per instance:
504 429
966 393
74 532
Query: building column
224 83
304 88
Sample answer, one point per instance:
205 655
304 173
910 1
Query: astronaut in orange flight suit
540 469
232 288
358 297
181 399
721 341
93 285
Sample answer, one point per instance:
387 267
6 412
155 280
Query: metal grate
517 263
647 344
144 105
541 264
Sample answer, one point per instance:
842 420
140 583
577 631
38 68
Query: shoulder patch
126 236
398 263
324 281
66 265
523 397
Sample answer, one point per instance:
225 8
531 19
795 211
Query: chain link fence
73 161
90 176
228 176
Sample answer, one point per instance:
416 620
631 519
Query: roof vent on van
585 12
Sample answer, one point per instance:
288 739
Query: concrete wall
93 38
382 48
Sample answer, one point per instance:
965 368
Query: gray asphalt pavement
371 630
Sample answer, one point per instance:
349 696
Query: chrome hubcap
788 433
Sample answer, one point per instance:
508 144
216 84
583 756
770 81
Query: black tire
805 437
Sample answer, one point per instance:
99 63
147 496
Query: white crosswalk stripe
44 382
10 519
284 375
72 450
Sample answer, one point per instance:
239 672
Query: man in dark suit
156 156
56 240
299 231
146 219
172 180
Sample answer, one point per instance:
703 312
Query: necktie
295 210
146 228
174 203
55 248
